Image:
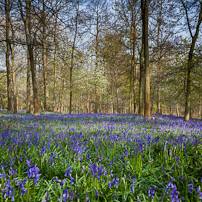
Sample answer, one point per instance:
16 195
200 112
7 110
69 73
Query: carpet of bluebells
99 157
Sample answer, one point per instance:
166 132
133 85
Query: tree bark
44 58
146 58
55 66
177 110
8 68
141 84
28 102
30 50
13 75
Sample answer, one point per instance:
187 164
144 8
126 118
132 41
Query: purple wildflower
191 186
96 194
33 172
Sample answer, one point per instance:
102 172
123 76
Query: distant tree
98 19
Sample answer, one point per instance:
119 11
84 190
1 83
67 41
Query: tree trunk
159 52
177 110
141 84
36 106
199 107
7 11
142 71
152 101
30 49
44 58
158 100
17 99
13 74
72 61
134 70
28 102
55 75
96 62
26 19
146 57
134 89
190 64
131 87
62 95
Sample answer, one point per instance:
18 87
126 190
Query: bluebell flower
72 180
199 192
62 181
33 172
11 161
71 197
151 192
9 190
65 195
22 186
94 169
96 194
116 181
110 184
68 172
191 187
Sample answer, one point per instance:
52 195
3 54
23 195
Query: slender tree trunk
134 89
170 109
17 99
13 74
177 110
113 110
146 57
55 66
28 101
34 84
2 102
133 79
158 100
131 87
96 62
141 84
9 94
142 68
44 58
159 21
152 102
72 61
62 95
59 102
199 106
117 101
31 55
